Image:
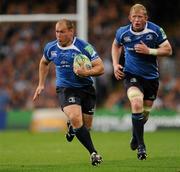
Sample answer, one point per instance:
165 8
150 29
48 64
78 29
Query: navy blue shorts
149 87
85 97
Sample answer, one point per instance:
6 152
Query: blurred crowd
21 47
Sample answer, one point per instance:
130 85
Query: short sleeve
118 37
161 36
46 52
91 51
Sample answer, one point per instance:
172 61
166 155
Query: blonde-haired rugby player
143 42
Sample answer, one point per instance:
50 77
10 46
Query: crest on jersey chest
149 37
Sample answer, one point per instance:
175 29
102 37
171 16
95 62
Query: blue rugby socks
84 137
138 127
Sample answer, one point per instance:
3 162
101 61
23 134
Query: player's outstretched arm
43 71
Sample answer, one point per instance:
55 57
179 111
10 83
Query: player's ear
146 17
129 17
72 31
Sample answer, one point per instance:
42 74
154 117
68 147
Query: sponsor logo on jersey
90 50
64 64
130 48
127 39
163 33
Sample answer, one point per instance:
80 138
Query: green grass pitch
21 151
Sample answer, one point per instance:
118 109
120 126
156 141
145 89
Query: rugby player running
143 42
74 86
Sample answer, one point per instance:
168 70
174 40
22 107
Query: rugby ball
82 60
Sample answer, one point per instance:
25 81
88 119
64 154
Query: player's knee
137 105
76 121
146 113
136 99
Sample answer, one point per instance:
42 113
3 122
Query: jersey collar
68 47
141 32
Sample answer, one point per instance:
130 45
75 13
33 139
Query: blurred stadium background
21 46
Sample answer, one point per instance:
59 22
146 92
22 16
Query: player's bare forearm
163 50
43 71
96 70
116 52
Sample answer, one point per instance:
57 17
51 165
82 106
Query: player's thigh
74 114
73 111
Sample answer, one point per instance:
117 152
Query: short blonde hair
138 7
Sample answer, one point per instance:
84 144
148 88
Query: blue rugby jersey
139 64
63 58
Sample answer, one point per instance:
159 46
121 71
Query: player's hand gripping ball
81 60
